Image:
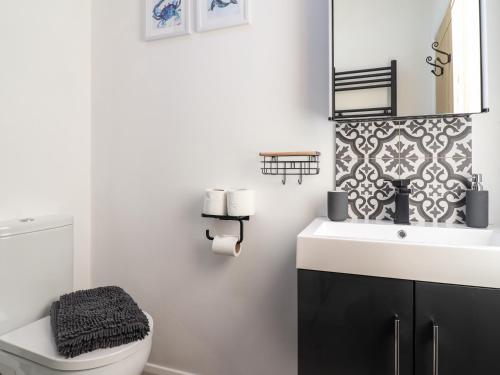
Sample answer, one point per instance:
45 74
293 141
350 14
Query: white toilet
36 267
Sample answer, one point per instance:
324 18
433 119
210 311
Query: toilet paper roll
226 245
241 202
215 202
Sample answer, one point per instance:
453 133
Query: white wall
175 116
486 127
45 115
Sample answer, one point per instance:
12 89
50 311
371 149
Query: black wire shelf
290 164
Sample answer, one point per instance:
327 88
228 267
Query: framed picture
217 14
166 18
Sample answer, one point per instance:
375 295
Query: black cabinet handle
435 349
396 345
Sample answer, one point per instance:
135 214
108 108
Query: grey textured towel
98 318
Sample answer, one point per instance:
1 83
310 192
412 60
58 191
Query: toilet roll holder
241 219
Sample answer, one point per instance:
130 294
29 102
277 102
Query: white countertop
441 253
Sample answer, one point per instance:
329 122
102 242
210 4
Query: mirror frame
483 63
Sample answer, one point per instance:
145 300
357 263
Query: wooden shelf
286 154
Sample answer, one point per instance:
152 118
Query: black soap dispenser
477 204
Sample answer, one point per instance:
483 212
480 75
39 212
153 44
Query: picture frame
218 14
166 18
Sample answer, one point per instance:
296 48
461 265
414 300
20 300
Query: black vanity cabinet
354 325
359 325
457 330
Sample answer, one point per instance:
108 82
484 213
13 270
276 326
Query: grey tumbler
338 205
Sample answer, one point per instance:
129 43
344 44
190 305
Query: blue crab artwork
166 10
221 4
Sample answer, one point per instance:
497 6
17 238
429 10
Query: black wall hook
439 63
438 70
240 219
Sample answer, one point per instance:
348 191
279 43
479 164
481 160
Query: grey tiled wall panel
436 154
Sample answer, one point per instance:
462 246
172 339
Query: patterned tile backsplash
435 154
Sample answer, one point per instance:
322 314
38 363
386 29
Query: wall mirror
397 58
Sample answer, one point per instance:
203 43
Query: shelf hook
283 180
300 175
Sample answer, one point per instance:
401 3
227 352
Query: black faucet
402 199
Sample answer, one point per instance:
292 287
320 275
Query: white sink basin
442 253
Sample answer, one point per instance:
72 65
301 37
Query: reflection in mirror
437 46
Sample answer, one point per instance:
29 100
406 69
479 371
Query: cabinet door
354 325
457 330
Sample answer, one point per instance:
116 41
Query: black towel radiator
366 79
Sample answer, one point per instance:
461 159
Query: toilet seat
35 342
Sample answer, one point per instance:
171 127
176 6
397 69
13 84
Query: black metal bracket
406 118
438 64
227 218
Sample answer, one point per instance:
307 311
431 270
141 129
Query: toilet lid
35 342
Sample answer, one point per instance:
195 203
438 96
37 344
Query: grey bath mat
98 318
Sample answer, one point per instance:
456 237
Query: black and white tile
441 138
370 193
373 140
436 154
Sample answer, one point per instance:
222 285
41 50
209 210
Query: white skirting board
152 369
